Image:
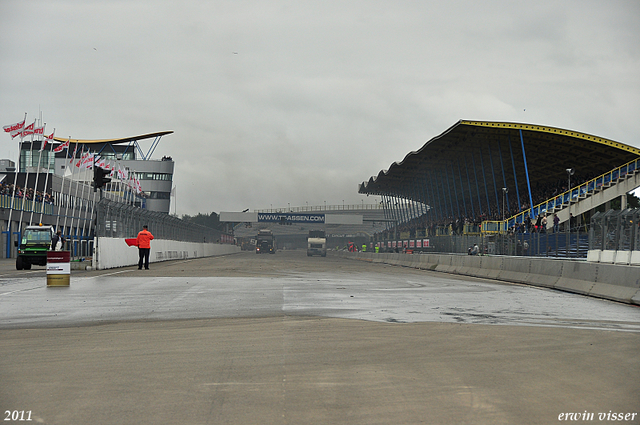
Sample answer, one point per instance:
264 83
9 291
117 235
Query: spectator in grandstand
539 223
572 222
556 223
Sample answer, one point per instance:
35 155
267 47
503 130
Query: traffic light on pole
99 177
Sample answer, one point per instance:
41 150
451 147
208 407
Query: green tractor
36 241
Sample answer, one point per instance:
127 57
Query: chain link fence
567 244
118 220
616 230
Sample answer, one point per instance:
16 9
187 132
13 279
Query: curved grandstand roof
474 159
114 141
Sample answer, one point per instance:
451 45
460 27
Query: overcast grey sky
294 102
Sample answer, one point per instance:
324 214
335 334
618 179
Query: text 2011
17 415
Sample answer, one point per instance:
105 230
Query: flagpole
26 178
76 203
46 180
66 211
62 185
88 222
15 179
123 189
35 186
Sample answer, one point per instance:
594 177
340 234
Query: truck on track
265 242
316 243
32 249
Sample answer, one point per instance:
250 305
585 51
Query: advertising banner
290 218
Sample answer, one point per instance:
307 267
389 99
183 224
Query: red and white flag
62 146
102 163
74 154
47 139
122 173
15 129
29 130
86 161
38 131
136 184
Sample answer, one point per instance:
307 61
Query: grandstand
494 177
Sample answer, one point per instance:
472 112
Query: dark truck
265 242
36 241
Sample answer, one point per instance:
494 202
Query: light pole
504 196
570 172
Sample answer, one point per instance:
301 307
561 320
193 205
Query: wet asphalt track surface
287 339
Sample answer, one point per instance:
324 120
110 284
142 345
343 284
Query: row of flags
19 129
87 159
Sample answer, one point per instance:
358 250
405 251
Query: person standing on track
144 247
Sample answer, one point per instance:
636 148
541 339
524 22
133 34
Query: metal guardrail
320 208
26 205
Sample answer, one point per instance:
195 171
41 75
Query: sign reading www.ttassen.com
290 218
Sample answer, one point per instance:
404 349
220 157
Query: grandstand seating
624 178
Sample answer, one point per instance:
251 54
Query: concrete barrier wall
114 252
610 281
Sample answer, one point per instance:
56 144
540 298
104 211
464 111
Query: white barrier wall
114 252
611 281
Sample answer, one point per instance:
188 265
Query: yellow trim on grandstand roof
113 141
553 130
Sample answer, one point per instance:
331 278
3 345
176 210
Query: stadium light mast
504 196
570 172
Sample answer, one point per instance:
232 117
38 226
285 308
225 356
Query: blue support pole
8 232
493 174
436 197
414 198
504 178
475 174
406 205
444 197
390 213
446 176
384 212
473 211
526 170
396 210
486 189
429 198
386 205
464 201
400 208
513 164
455 190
